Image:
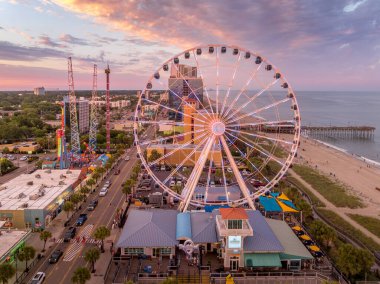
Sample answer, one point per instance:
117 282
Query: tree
84 190
44 236
90 182
95 175
354 261
92 255
154 155
127 187
6 150
25 254
6 272
101 233
76 198
67 207
81 275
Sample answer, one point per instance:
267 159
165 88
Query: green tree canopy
7 271
101 233
25 254
92 255
68 206
44 236
81 275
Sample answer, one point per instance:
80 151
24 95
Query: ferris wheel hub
218 128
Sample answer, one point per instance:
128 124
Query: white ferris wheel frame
218 137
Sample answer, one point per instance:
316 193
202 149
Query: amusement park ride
74 157
218 111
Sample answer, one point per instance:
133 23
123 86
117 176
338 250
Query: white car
212 183
38 278
127 158
103 191
172 183
245 172
229 170
23 158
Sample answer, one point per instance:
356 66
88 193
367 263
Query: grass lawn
304 189
370 223
346 227
332 191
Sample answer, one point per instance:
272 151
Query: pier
363 132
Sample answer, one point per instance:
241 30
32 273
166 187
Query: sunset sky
318 44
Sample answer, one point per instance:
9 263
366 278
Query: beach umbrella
314 248
297 228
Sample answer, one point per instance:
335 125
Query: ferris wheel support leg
239 179
195 175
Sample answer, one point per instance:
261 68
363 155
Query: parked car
70 234
92 205
212 183
163 168
81 219
172 183
38 278
23 158
245 172
117 172
55 256
103 191
127 158
108 183
179 183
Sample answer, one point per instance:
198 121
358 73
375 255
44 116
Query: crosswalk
87 241
77 243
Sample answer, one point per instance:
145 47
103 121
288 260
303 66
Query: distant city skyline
318 45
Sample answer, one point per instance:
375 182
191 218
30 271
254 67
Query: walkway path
340 211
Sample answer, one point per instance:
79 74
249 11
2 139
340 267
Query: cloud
344 45
12 52
353 6
46 40
73 40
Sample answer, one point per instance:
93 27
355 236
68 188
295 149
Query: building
183 82
39 91
33 200
240 238
125 125
11 241
120 104
83 114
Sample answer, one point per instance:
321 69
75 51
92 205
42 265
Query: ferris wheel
217 125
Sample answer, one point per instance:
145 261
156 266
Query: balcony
245 231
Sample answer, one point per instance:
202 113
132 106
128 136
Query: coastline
359 175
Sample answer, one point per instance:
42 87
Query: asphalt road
104 213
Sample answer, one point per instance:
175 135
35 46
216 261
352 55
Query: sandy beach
359 177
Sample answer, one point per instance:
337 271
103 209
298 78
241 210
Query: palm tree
25 254
76 198
95 175
101 233
127 188
67 207
84 190
92 255
44 236
6 272
90 182
81 275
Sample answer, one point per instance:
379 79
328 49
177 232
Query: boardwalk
365 132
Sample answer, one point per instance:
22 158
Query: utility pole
108 135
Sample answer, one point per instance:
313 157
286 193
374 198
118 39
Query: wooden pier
364 132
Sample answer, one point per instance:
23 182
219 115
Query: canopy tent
314 248
297 228
305 237
277 202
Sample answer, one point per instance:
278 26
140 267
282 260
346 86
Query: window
234 242
133 251
235 224
165 251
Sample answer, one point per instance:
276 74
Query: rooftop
38 189
233 213
9 238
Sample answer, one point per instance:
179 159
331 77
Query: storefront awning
262 260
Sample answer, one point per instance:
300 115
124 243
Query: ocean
344 109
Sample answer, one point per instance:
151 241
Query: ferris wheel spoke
259 136
244 156
237 64
275 104
242 91
172 109
181 98
217 81
224 176
170 137
192 182
255 146
193 91
204 86
168 122
185 160
235 169
279 123
252 99
209 173
175 150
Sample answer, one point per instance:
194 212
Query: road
104 213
